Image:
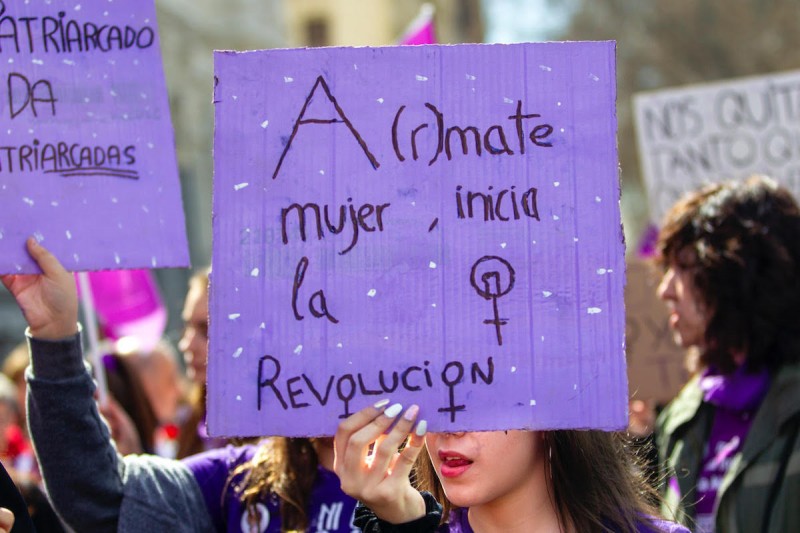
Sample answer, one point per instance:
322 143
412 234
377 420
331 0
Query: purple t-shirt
459 523
331 509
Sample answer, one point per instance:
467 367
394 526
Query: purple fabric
737 396
331 509
738 391
459 523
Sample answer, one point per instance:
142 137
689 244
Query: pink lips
453 464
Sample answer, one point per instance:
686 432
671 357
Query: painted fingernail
422 428
393 411
411 412
381 404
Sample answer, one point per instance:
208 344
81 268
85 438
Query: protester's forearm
81 468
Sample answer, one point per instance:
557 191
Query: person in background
193 435
510 481
729 441
275 486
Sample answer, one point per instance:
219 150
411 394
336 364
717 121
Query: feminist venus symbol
490 288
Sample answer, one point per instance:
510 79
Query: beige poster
655 363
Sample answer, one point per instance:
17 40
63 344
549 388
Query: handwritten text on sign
720 131
87 157
438 225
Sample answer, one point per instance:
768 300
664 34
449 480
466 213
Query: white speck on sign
420 77
238 352
601 271
151 145
114 200
234 97
558 104
263 325
413 204
76 258
593 310
355 67
37 62
508 100
240 186
287 79
116 257
54 203
27 201
555 217
433 305
339 345
68 62
471 77
78 7
533 242
380 100
575 386
503 245
386 338
113 92
298 349
254 272
547 294
513 369
234 316
562 130
371 293
556 183
594 78
145 209
574 239
533 402
265 124
38 235
545 68
597 199
238 397
542 338
154 261
322 172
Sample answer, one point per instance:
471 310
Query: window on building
317 32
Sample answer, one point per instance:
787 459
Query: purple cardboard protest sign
437 225
87 154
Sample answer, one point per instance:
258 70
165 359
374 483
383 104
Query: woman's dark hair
286 467
594 482
741 241
125 385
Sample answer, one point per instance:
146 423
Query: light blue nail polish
393 411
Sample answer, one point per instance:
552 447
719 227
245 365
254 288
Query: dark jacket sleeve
369 523
91 486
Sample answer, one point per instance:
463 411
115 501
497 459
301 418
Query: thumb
46 261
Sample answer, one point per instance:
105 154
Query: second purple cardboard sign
436 225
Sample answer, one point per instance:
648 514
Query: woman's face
194 342
479 468
687 313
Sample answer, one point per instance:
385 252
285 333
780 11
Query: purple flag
432 224
87 155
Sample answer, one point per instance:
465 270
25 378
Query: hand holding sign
48 301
